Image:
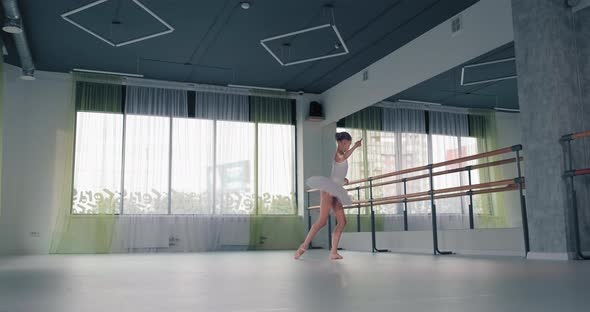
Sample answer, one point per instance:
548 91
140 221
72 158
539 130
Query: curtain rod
434 108
152 83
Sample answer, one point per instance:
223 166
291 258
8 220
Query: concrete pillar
549 64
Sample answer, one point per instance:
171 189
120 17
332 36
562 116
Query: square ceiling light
487 72
68 16
266 44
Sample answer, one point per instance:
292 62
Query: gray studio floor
272 281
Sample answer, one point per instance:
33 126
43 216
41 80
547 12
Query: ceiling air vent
456 25
365 75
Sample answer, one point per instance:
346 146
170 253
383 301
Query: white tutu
330 186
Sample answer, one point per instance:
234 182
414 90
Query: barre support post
570 175
373 229
433 213
471 223
405 206
525 223
358 211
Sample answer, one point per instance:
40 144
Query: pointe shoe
300 251
336 257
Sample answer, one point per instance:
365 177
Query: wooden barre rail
441 164
580 135
509 187
440 191
423 176
577 172
446 190
575 136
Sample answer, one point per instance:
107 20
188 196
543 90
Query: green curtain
83 234
273 232
370 118
276 232
483 128
271 110
98 97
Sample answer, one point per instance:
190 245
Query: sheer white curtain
382 154
232 180
276 168
192 166
147 147
235 167
447 131
409 127
98 158
180 233
221 106
407 130
164 149
146 177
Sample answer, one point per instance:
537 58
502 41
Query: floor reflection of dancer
333 195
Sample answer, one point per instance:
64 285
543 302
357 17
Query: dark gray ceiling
217 42
446 88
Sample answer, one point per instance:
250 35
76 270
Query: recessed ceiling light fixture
245 5
508 110
105 72
253 87
419 102
169 29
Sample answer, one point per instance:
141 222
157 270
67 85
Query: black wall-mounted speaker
315 110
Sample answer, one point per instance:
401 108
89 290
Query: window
391 151
182 165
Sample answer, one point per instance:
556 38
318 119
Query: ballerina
333 195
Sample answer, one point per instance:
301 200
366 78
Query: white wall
498 242
487 25
34 111
309 146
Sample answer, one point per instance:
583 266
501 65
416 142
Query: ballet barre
515 184
569 175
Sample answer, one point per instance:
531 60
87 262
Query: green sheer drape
370 118
98 97
87 234
271 110
268 231
483 128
